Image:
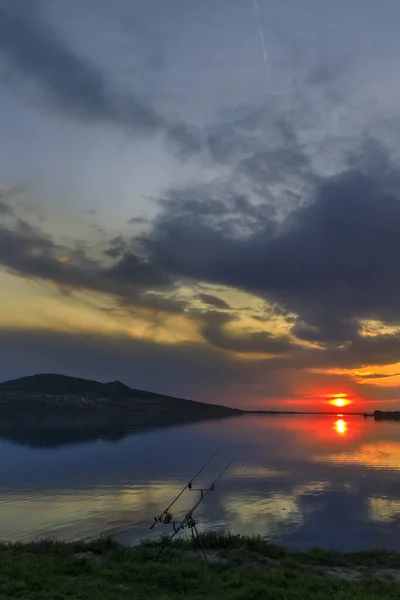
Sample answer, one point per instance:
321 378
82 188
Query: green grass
240 568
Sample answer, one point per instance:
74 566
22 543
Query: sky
186 213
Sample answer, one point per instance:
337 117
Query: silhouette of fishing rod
188 520
166 516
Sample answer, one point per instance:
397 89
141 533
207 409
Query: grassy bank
238 569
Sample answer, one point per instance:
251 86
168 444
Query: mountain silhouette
55 409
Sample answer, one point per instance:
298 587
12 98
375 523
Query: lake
302 481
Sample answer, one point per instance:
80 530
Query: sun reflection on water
340 427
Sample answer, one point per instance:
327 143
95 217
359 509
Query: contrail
262 36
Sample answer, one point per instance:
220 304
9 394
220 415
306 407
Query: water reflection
340 426
377 455
302 481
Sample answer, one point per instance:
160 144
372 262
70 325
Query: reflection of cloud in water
267 516
380 455
316 487
383 510
251 515
253 471
81 514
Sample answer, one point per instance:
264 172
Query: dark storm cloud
214 301
31 48
333 260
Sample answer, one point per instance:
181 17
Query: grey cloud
355 353
28 253
134 270
320 325
72 85
264 148
185 141
333 260
118 246
6 194
4 208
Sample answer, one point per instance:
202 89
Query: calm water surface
301 481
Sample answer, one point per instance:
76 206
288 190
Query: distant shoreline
377 415
310 412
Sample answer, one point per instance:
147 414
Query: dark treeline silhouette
387 415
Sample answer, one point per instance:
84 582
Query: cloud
259 342
4 208
70 84
214 301
6 193
137 221
328 265
361 351
332 260
29 253
376 375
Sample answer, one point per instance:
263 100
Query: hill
63 384
53 409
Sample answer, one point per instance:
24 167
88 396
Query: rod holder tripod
188 521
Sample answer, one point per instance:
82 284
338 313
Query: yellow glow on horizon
79 312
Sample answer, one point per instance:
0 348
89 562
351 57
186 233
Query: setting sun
339 400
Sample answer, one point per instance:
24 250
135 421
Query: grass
240 568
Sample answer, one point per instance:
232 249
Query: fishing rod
166 514
188 520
